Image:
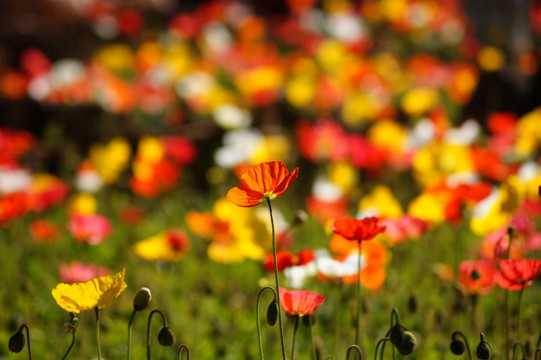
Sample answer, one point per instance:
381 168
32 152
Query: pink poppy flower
89 229
79 272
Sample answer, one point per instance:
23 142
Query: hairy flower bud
142 299
166 336
272 313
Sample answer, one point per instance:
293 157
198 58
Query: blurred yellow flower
360 107
436 161
331 55
271 147
300 90
115 57
150 149
490 58
83 203
419 101
388 134
170 245
381 201
427 207
111 159
235 233
96 293
178 60
259 79
491 214
343 175
529 133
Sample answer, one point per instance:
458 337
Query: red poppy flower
44 231
516 274
477 276
299 302
285 259
267 180
355 229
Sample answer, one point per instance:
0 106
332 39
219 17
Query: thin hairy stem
294 337
277 282
71 345
148 328
98 342
129 333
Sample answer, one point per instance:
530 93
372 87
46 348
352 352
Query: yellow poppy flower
96 293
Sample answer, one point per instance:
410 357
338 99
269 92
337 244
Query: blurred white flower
229 116
12 180
238 146
463 135
297 275
88 181
325 190
334 268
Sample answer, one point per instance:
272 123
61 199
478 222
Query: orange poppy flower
267 180
355 229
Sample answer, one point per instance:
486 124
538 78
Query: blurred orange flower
44 231
477 276
267 180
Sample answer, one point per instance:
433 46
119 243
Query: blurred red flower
359 230
44 231
79 272
89 229
286 259
267 180
516 274
14 205
477 276
132 215
299 302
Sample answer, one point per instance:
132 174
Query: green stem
519 345
277 282
148 328
71 345
356 348
294 336
183 347
129 333
314 353
518 311
357 320
261 291
98 332
506 324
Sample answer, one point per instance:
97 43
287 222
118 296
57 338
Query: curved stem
71 345
148 328
96 310
277 281
261 291
356 348
294 336
129 333
537 351
455 333
183 347
381 342
357 320
25 326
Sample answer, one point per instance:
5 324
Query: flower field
293 180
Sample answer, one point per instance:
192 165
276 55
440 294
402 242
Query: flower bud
483 349
397 335
142 299
408 343
16 342
457 347
166 336
272 313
